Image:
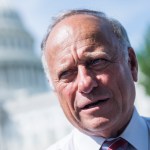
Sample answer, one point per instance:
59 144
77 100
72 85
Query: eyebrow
63 67
89 55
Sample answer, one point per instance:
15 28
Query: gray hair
118 30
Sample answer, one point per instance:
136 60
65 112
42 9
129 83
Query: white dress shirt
135 133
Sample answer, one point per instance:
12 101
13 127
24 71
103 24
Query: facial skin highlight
92 79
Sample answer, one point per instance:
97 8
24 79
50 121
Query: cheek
106 79
103 79
123 87
110 79
66 94
67 101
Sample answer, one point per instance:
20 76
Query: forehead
77 25
79 30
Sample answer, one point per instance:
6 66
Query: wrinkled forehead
79 30
81 22
78 27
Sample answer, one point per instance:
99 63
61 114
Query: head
92 66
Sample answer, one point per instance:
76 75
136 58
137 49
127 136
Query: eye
97 61
64 74
67 74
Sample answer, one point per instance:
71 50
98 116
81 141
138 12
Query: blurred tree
144 61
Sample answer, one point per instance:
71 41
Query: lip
95 103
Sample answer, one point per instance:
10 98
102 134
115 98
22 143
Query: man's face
93 80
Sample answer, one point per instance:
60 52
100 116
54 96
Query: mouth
97 103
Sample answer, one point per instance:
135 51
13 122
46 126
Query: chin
99 127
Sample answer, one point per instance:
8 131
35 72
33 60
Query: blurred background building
27 108
30 116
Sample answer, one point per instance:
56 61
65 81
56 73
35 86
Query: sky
133 14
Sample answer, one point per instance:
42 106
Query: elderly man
92 67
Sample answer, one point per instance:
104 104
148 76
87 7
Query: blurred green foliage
144 61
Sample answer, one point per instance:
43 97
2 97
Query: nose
86 81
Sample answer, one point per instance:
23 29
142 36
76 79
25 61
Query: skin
93 80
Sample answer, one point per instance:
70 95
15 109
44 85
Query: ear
132 61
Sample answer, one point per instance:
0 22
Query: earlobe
132 61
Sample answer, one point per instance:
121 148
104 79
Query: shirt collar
83 141
134 132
